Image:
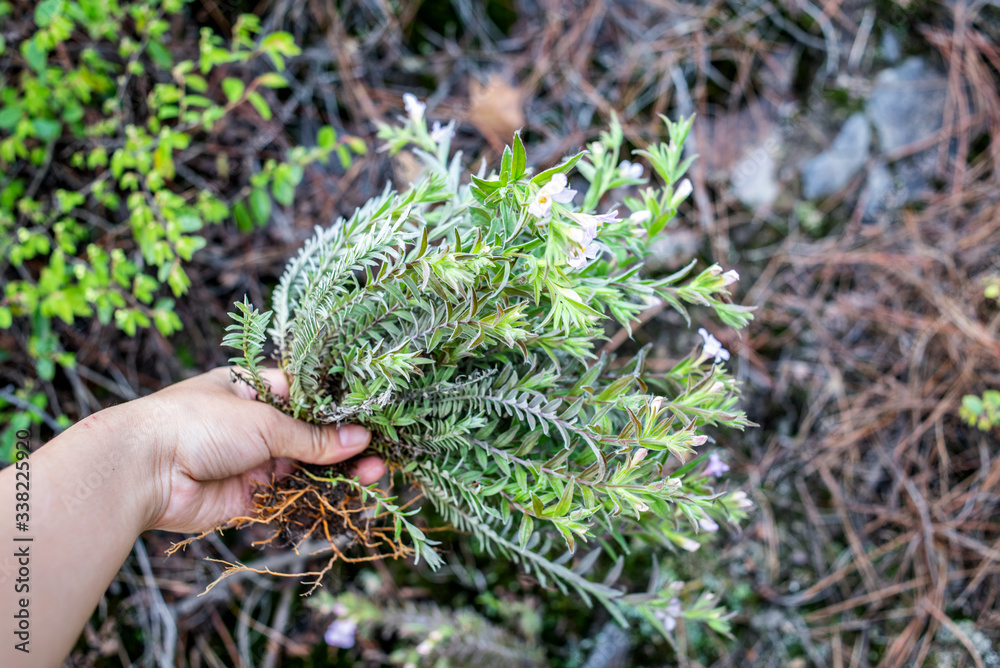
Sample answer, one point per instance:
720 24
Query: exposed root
315 503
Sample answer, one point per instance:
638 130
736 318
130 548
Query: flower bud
730 277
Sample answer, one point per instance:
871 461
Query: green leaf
260 104
34 53
565 501
46 369
327 137
242 216
45 11
537 505
283 189
47 129
233 89
520 161
10 116
280 42
167 322
159 53
143 287
188 245
505 164
524 532
260 206
178 281
973 404
272 80
344 156
544 177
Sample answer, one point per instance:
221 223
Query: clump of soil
305 504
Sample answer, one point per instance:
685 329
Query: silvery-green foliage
460 320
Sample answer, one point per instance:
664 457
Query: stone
881 193
907 103
755 179
834 168
890 47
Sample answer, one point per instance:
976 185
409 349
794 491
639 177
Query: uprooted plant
458 321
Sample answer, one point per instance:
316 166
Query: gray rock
907 103
880 193
890 46
833 169
755 179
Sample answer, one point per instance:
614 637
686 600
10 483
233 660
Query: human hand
212 440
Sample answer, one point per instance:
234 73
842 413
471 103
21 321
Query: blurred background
848 171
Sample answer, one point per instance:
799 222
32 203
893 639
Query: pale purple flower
740 499
580 257
686 543
630 170
340 633
709 525
553 191
683 190
713 347
668 615
414 107
584 247
439 133
716 467
590 223
641 216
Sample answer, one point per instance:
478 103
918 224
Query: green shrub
458 320
100 209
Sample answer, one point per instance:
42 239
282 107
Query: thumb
316 444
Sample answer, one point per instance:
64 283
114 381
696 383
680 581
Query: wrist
130 454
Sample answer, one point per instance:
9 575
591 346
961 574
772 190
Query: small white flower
439 133
580 257
688 544
716 467
630 170
708 525
730 277
683 190
740 499
340 633
414 107
713 347
641 216
553 191
590 224
424 648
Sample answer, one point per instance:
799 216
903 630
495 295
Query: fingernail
353 436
